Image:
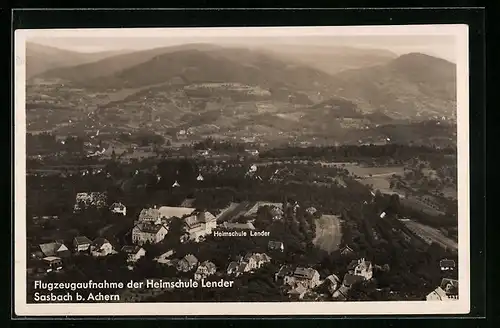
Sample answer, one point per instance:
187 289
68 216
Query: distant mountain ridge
332 59
42 58
406 86
409 85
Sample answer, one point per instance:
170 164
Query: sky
442 46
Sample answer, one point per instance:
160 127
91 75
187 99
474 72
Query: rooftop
191 259
148 227
129 249
98 242
239 226
50 249
52 258
179 212
350 279
81 240
307 273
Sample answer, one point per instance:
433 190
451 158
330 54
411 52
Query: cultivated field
328 233
379 177
431 235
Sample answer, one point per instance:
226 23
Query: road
328 233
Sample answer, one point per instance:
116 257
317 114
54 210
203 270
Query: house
52 263
341 293
351 279
447 265
165 257
134 253
168 212
285 270
275 245
199 225
256 260
149 214
308 277
57 249
297 292
361 268
450 286
205 270
232 268
118 208
237 226
332 283
101 247
188 263
448 290
148 232
82 243
346 250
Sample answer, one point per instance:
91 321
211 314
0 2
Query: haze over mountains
305 87
41 58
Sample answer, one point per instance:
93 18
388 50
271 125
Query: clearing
328 233
379 177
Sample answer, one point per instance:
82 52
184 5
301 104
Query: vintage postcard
235 171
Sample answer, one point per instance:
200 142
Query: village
186 226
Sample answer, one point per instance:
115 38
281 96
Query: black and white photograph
234 171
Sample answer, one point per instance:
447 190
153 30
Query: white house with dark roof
256 260
187 263
101 247
118 208
199 225
332 282
361 268
149 214
81 243
134 253
165 258
308 277
148 232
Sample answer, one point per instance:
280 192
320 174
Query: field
379 177
431 235
328 233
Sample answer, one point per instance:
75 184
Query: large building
148 232
199 225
